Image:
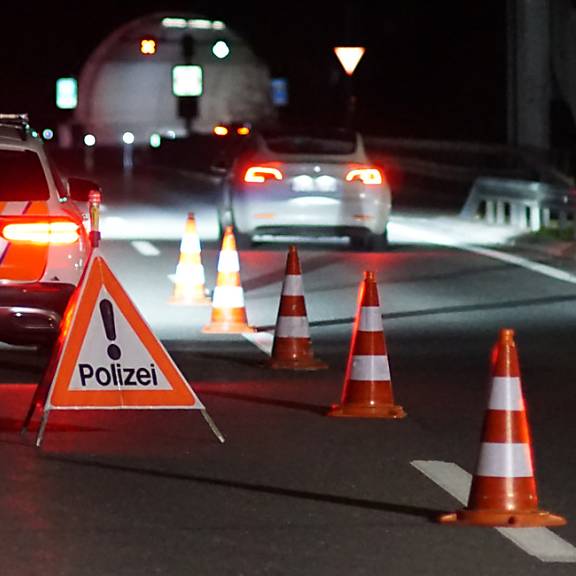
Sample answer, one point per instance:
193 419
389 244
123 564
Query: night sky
431 69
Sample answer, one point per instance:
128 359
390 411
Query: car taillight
42 232
259 174
369 176
220 130
243 131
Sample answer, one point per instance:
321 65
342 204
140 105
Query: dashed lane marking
262 340
542 543
145 248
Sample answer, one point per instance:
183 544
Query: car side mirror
80 188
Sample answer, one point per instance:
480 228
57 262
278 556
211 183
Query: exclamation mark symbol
107 312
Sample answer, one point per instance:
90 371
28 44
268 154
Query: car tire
243 241
370 242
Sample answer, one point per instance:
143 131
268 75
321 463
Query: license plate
305 183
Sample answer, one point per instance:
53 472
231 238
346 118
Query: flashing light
220 130
220 49
42 232
89 140
369 176
259 174
148 46
128 138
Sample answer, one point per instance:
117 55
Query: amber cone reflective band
503 491
367 391
292 347
228 308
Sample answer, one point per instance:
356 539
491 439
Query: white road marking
262 340
522 262
145 248
539 542
430 236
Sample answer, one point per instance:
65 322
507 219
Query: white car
306 183
43 240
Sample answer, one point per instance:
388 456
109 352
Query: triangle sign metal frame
158 383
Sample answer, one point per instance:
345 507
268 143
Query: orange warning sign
108 356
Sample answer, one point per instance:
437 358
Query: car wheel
370 242
243 241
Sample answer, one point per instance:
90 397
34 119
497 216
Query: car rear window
337 143
22 177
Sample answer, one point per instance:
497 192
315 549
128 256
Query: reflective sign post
349 56
89 143
127 152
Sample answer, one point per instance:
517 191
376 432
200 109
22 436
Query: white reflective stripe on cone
293 285
506 394
505 460
292 327
188 271
228 297
228 261
370 319
190 245
370 368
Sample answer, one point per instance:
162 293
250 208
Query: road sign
187 80
349 56
108 357
66 93
279 90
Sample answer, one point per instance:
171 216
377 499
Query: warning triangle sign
108 357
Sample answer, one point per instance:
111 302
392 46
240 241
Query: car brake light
369 176
259 174
243 131
42 232
220 130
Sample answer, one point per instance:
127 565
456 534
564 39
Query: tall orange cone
228 309
503 491
292 347
367 389
189 280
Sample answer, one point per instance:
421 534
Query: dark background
431 70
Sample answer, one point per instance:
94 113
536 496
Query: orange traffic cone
228 310
367 389
189 280
292 347
503 491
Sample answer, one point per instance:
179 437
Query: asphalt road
292 492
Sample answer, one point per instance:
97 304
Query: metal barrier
524 204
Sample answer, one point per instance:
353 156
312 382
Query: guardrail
524 204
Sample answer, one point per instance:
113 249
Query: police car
44 243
